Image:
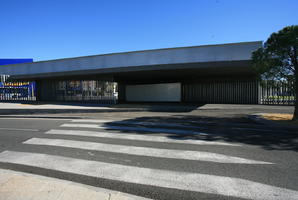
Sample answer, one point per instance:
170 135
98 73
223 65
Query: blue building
15 61
16 90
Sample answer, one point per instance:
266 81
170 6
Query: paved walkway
52 106
17 185
67 107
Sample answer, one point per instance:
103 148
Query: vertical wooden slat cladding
221 91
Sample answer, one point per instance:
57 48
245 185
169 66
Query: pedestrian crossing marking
93 120
130 122
149 138
212 184
144 151
133 128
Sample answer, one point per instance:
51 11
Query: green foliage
277 59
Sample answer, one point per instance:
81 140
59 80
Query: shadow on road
239 129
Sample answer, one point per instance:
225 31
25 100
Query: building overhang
198 61
154 72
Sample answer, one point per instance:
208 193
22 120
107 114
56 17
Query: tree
278 59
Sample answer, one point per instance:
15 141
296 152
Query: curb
16 185
41 117
110 110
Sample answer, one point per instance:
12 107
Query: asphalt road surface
157 157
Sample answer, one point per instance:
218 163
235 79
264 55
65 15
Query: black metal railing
17 91
79 91
277 92
106 92
221 91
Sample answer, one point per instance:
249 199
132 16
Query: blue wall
9 91
15 61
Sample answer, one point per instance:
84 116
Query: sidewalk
70 107
7 108
25 106
24 186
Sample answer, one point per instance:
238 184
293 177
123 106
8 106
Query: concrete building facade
198 74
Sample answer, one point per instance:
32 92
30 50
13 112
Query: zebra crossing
145 176
144 151
131 128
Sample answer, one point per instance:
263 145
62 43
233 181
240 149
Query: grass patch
283 118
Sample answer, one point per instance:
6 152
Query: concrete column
121 92
38 85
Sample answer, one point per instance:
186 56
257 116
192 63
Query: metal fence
236 91
277 92
16 91
221 91
79 91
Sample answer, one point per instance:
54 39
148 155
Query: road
156 157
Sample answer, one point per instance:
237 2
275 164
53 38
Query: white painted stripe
94 120
150 138
129 128
144 151
33 118
234 187
18 129
163 124
129 122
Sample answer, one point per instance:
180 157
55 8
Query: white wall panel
164 92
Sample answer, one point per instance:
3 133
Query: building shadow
230 129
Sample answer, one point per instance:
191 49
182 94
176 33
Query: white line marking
144 151
233 187
129 122
151 138
129 128
18 129
93 120
148 123
32 118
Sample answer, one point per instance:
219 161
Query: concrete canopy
159 64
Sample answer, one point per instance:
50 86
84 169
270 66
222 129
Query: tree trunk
295 116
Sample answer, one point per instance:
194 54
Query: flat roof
139 60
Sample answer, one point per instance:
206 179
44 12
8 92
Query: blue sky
51 29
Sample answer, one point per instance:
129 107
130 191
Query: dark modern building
198 74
